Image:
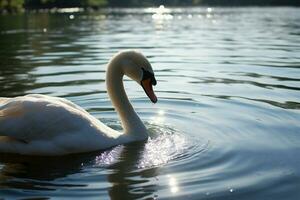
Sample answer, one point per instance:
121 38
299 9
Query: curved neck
131 123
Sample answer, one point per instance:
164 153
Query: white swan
43 125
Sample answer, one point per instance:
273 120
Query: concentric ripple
164 145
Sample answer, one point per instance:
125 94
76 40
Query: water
226 125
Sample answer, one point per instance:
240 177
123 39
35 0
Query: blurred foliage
11 5
18 5
36 4
94 3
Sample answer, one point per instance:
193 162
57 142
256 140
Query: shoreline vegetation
16 6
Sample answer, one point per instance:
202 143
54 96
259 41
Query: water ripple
226 125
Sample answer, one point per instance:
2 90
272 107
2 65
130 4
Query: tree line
18 5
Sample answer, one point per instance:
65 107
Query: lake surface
227 122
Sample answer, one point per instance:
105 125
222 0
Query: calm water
226 125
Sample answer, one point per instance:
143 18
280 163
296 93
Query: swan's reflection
127 181
32 173
40 173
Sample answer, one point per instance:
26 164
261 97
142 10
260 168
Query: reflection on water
226 125
47 174
127 183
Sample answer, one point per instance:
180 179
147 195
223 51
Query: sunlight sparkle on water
161 112
161 13
162 149
209 10
159 118
173 184
108 157
69 10
161 9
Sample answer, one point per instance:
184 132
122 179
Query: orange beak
147 86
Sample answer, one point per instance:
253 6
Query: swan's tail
11 116
10 112
3 100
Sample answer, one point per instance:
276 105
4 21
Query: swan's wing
61 100
31 118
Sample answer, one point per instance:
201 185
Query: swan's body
44 125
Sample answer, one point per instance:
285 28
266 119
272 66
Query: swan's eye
149 75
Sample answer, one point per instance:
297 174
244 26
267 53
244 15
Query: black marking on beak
147 75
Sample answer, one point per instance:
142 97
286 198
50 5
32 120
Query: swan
37 124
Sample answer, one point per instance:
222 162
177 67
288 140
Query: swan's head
137 67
